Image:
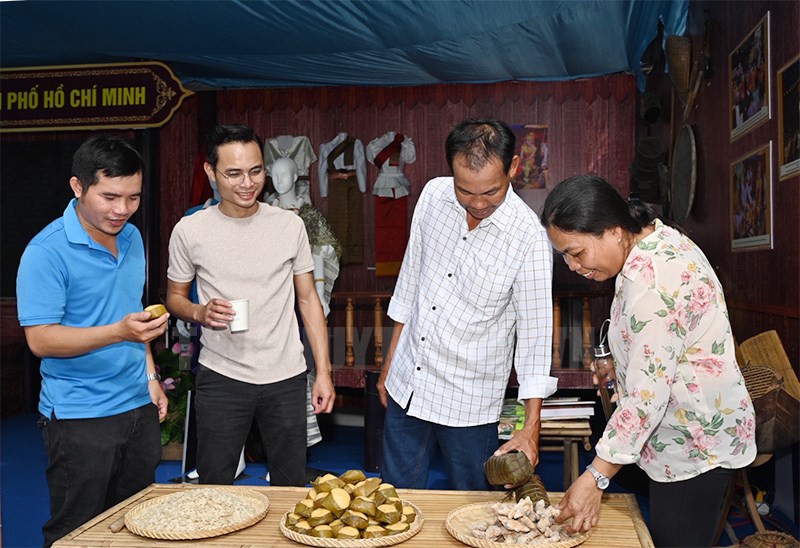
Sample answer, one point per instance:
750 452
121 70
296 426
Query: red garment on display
392 148
201 190
391 234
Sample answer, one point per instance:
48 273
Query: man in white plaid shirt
473 296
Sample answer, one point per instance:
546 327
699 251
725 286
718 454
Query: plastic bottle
603 366
604 361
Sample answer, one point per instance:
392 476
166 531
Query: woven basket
770 539
390 540
650 107
246 495
766 348
777 411
460 521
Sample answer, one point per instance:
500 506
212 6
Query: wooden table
621 523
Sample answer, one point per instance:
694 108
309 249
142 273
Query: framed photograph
789 119
751 200
532 148
749 81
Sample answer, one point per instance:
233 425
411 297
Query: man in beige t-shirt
244 249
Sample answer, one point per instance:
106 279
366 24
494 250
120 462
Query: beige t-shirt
252 258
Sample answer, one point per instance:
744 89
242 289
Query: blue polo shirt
67 278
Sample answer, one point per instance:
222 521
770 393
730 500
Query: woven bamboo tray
259 503
390 540
770 539
459 523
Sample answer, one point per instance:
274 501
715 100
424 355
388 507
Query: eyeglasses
236 177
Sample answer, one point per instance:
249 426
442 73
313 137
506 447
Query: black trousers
93 464
226 409
686 513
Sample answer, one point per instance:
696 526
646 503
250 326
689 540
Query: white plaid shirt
466 297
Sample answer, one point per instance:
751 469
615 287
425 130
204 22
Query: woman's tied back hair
588 204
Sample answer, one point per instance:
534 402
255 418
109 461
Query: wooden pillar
349 326
378 333
556 332
586 325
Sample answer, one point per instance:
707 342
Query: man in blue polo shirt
79 299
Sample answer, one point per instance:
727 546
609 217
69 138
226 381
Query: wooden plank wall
762 287
591 129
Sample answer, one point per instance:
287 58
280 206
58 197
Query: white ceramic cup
240 321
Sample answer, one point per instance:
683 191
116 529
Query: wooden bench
568 435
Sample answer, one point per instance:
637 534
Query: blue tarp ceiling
274 43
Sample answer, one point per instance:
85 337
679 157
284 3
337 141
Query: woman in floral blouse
684 415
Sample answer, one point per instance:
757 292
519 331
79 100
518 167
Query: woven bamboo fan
679 52
683 173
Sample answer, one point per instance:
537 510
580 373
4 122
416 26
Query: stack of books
512 416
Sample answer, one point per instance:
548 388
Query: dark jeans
408 444
94 464
686 513
225 411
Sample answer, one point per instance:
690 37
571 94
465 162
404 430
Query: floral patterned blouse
683 407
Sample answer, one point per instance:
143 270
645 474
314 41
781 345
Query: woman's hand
581 502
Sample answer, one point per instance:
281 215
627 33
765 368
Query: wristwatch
601 480
153 377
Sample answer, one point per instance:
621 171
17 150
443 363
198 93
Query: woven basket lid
650 148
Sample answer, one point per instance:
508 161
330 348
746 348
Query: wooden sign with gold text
110 96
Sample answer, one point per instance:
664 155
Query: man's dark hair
480 140
234 133
111 156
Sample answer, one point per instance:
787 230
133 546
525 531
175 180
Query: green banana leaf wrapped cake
514 468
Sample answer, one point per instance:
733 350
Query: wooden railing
357 304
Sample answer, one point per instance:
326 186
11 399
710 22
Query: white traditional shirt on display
359 163
391 181
299 149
